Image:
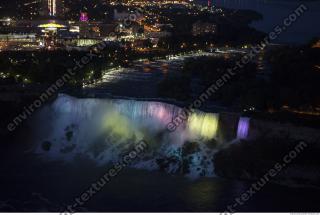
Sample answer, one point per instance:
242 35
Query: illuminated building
95 30
84 17
53 8
49 31
5 22
316 45
200 28
17 37
18 41
50 26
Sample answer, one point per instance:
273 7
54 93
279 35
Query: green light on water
120 126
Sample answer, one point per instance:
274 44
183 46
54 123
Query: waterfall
204 124
243 128
104 129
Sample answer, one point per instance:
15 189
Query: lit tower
52 7
209 3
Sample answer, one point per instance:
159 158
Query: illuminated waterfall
203 124
103 129
243 127
142 110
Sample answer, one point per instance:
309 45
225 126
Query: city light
84 17
51 25
52 6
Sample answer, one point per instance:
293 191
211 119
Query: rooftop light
51 25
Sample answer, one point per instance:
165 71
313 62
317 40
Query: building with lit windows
200 28
53 8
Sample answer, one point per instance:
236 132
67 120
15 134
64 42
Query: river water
30 184
304 29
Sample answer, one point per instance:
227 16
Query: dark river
303 30
29 184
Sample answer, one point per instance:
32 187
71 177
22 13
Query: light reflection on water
202 194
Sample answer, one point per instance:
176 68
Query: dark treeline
292 83
46 67
208 70
295 76
232 31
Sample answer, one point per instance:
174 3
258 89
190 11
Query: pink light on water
161 113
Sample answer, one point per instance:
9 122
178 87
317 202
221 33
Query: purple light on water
243 127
